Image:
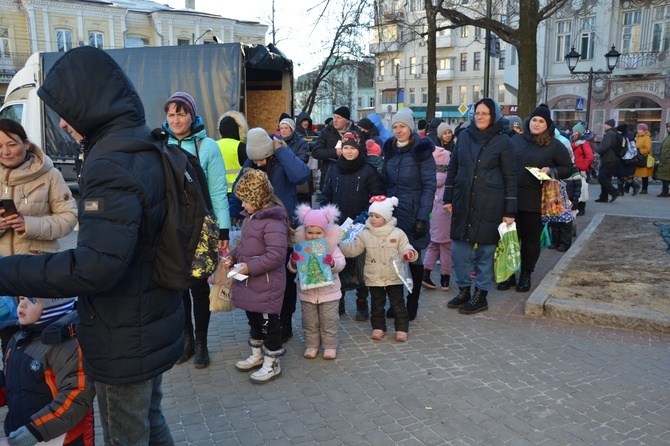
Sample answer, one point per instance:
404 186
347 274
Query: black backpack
620 146
187 248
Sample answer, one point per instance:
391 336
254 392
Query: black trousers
529 228
605 174
199 293
265 327
397 301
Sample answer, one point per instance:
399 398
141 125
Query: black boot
426 282
189 347
362 313
286 328
524 281
506 285
461 299
201 352
476 303
636 187
581 207
444 281
564 236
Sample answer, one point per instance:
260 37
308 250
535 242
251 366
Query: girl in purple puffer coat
261 255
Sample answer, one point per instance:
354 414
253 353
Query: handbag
556 207
650 162
220 292
640 160
352 277
507 256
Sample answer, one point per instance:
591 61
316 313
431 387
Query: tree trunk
527 62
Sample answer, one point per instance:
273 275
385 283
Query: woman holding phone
37 207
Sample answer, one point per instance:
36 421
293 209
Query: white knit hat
289 122
381 205
259 144
405 116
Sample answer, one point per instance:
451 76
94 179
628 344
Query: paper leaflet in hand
312 272
401 268
537 173
235 272
350 230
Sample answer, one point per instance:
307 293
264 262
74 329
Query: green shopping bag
507 257
545 238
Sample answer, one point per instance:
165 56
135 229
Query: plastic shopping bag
507 257
545 237
220 292
401 268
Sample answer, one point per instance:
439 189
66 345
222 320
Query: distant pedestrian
643 143
608 160
664 164
583 155
233 129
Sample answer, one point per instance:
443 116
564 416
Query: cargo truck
254 79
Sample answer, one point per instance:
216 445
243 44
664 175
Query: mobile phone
8 205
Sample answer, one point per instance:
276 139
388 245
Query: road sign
471 110
388 117
463 109
579 106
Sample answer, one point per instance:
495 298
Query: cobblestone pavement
495 378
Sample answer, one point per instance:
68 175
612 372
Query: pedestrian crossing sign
579 106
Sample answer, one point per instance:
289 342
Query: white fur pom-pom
332 212
301 211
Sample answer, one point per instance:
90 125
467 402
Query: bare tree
524 37
344 47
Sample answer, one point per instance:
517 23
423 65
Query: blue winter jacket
212 163
410 174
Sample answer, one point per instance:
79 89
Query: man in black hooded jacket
130 328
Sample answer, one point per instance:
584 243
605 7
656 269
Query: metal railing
633 61
12 62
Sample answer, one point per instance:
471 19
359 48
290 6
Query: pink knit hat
373 148
643 127
317 217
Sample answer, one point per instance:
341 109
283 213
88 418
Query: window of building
389 96
371 104
449 97
464 31
181 42
382 67
96 39
412 95
501 93
464 94
503 19
63 40
424 95
660 35
512 55
445 64
476 93
478 33
424 64
412 65
360 102
630 38
444 32
136 42
477 61
437 95
5 49
588 38
396 67
563 30
501 60
464 61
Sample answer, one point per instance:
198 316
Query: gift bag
352 277
545 238
220 292
556 207
507 257
650 161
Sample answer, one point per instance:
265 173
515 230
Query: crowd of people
422 192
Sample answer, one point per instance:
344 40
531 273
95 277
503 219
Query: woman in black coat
480 193
536 147
409 168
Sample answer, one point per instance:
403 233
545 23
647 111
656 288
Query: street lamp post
397 87
208 30
612 57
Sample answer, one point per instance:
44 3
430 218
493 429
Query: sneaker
329 353
377 335
643 192
401 336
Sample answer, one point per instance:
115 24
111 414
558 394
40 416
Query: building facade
29 26
638 89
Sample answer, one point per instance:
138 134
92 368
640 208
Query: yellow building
29 26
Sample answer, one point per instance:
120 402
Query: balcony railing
634 61
10 63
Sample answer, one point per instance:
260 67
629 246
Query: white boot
271 368
253 361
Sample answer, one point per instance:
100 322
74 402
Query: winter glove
579 142
328 260
294 259
21 437
408 256
419 229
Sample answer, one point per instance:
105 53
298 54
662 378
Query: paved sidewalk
495 378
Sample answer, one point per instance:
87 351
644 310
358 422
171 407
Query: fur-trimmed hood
241 122
422 149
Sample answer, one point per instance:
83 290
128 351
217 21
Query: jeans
131 415
465 262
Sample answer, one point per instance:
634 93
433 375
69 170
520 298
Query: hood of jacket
422 148
31 170
241 122
301 117
197 130
73 88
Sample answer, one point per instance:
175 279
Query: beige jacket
43 199
379 245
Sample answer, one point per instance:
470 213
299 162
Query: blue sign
471 110
579 106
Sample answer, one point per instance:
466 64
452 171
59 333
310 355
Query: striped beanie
53 308
186 100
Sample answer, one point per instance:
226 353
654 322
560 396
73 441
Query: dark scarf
347 167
